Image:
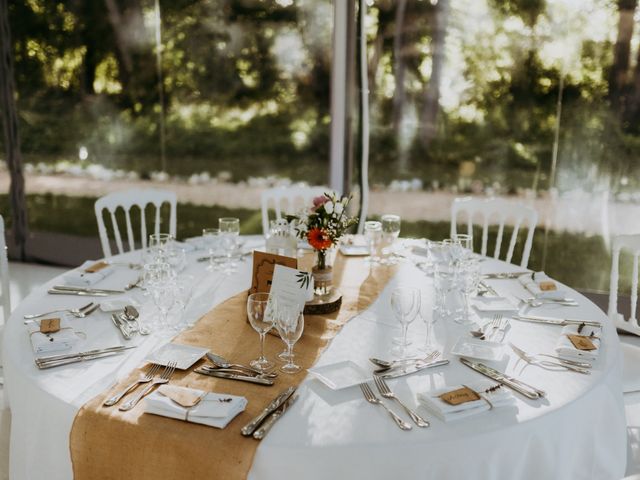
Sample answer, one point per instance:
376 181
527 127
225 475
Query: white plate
354 250
340 375
494 304
184 355
478 349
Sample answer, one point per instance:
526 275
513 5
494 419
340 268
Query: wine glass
229 232
429 318
162 286
211 237
466 241
373 234
390 232
405 303
260 309
290 324
158 243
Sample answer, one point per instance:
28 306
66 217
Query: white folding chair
126 200
494 211
287 200
631 244
5 298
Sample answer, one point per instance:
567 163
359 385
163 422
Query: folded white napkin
82 278
210 411
532 284
62 340
501 397
566 349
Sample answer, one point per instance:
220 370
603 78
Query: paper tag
459 396
581 342
182 396
96 267
547 286
49 325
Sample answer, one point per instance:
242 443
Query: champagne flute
290 324
390 232
373 234
405 303
260 309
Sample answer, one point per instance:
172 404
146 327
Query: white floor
24 277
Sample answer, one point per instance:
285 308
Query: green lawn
577 260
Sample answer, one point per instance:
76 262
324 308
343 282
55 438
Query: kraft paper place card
263 267
291 286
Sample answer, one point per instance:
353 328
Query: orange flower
319 239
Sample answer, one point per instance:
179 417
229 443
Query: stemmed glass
405 303
161 278
211 237
229 232
260 309
390 232
373 234
429 318
290 324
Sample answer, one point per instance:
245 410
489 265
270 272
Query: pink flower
321 200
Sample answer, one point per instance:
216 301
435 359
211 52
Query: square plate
184 355
354 250
478 349
340 375
494 304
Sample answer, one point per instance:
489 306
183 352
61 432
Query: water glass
290 324
260 310
390 232
229 233
373 235
212 240
405 303
466 242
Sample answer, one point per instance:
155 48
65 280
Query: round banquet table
577 432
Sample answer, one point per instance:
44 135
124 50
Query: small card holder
49 325
96 267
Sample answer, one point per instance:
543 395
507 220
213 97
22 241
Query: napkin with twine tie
566 349
490 398
80 276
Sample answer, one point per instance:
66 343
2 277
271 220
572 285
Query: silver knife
116 348
403 370
235 376
76 288
80 358
250 427
556 321
504 275
513 383
269 422
55 291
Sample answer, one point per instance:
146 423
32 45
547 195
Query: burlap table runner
108 444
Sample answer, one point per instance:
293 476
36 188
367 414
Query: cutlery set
221 368
554 365
152 379
260 425
80 312
127 322
495 329
82 291
66 359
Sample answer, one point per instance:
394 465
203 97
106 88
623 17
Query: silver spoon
389 364
222 362
131 315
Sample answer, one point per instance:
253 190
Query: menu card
291 286
263 267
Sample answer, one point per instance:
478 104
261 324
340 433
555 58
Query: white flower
328 207
339 208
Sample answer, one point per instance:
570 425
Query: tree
618 75
11 135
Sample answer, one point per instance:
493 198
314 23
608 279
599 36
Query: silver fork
386 392
503 323
144 378
483 333
371 398
164 378
72 311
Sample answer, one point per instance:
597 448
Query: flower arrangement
324 223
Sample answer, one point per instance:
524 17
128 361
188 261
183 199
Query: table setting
431 354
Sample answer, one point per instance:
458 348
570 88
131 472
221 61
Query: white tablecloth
577 432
